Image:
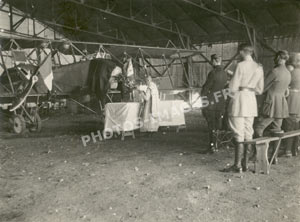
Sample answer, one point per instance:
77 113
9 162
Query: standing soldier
292 123
214 112
247 81
275 108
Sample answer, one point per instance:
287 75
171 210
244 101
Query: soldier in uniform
293 100
214 112
247 81
275 107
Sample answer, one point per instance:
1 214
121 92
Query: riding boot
239 150
247 150
295 146
214 145
253 156
211 145
288 146
238 155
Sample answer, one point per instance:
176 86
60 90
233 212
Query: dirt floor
52 177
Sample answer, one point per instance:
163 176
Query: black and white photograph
149 110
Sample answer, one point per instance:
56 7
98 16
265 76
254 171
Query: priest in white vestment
150 115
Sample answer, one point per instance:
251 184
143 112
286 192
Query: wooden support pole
184 70
6 71
168 71
180 36
167 66
157 72
11 25
231 61
206 59
250 36
143 61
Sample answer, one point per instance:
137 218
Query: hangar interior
68 170
208 26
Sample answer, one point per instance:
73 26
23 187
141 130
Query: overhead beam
2 5
273 17
125 17
223 24
250 37
18 23
194 20
203 56
149 63
10 17
153 7
83 31
258 36
53 23
214 12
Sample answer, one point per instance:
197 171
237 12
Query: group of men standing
280 108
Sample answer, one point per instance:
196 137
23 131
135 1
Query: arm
287 92
234 84
208 83
260 85
146 96
269 81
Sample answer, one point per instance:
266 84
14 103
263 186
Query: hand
287 93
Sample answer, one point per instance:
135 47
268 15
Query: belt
246 89
294 90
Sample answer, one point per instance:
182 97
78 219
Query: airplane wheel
18 124
36 126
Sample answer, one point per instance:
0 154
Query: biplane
22 90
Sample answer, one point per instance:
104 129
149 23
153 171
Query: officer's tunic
216 81
250 75
294 96
293 100
275 107
214 112
276 85
247 81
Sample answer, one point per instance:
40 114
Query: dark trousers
289 124
214 119
274 125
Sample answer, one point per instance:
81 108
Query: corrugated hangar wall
200 67
227 51
291 44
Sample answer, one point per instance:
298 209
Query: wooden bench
262 163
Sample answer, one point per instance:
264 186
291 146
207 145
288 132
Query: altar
124 118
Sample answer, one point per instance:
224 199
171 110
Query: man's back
294 96
295 83
247 81
280 79
216 82
248 74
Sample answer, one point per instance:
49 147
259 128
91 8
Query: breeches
242 127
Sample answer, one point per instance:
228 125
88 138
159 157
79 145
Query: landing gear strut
24 118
